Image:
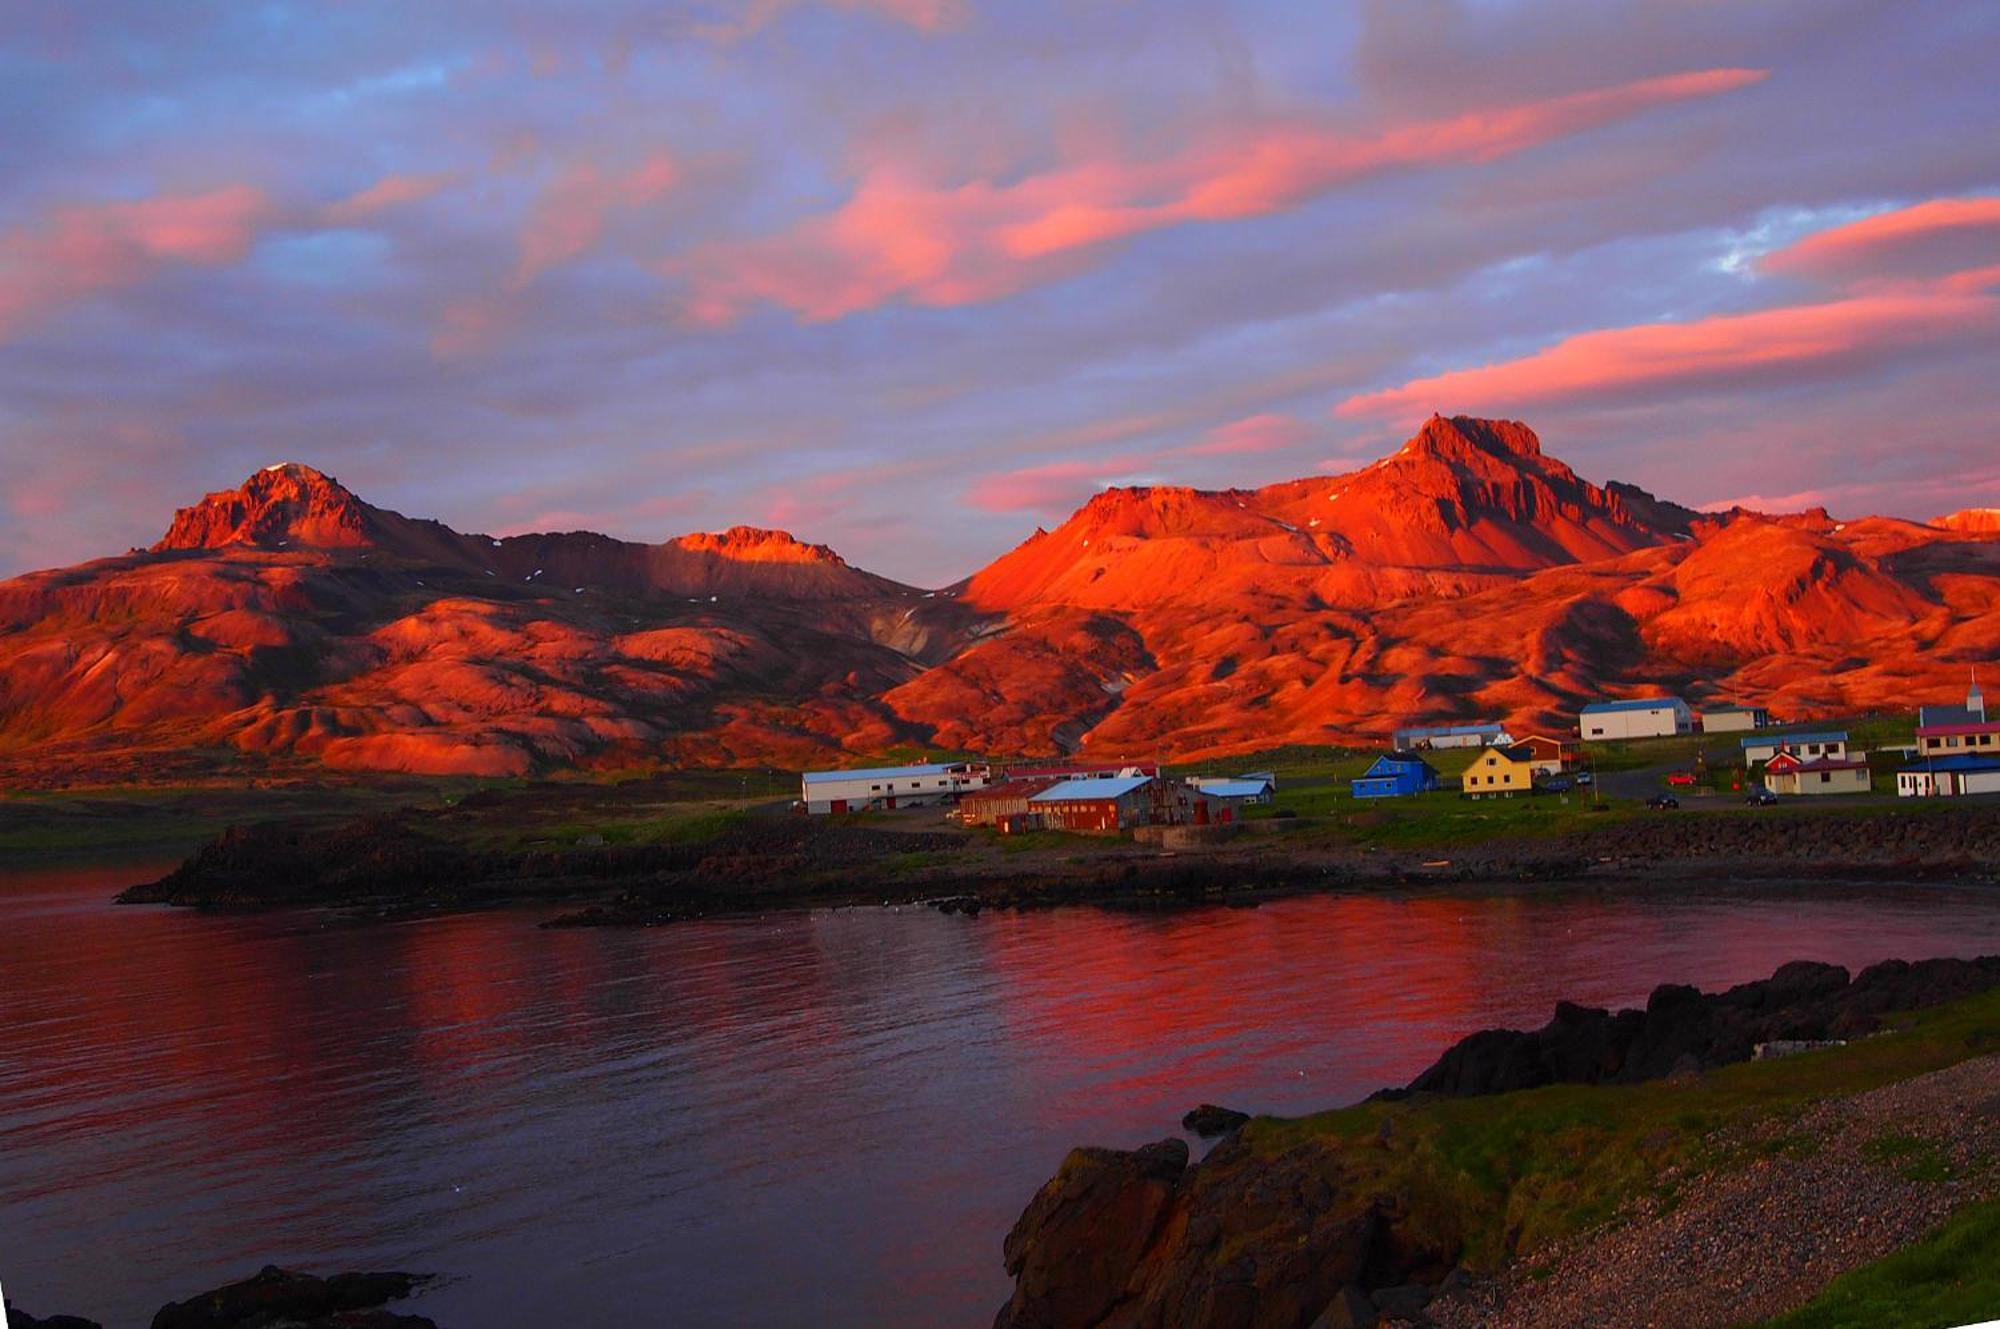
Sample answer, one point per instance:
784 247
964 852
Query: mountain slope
288 623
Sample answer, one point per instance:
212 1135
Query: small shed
1396 775
1237 789
1733 719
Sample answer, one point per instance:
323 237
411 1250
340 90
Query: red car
1681 779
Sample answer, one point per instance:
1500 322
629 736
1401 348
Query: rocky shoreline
274 1298
412 860
1364 1219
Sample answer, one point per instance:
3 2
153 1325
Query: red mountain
288 622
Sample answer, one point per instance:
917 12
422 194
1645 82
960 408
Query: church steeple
1975 700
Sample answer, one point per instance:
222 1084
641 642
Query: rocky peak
1466 438
286 504
756 544
1978 520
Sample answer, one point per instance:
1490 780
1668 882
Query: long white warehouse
889 786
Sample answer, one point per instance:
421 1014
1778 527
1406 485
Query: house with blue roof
1396 775
1807 746
1950 777
1638 717
1257 788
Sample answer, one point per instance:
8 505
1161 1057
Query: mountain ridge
1470 574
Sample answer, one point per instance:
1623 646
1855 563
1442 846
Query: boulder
1076 1247
1351 1308
1209 1121
16 1318
276 1296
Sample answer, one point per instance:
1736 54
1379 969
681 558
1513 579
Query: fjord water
824 1118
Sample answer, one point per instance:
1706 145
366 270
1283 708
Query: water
824 1119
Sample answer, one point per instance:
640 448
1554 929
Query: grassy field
1951 1277
1509 1174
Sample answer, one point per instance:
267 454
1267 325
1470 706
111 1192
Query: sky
910 277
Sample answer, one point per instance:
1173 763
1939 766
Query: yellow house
1501 772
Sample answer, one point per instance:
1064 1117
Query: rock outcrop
1269 1234
1682 1029
275 1298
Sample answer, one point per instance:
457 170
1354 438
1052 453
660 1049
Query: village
1659 749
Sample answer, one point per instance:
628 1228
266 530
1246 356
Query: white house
889 786
1642 717
1831 743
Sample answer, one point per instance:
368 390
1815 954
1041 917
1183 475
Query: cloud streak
84 250
1878 319
901 237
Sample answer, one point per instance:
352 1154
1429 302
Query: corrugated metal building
1002 805
1449 736
889 786
1100 803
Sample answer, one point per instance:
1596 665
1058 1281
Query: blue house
1396 775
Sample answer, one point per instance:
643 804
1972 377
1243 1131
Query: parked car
1585 778
1761 798
1557 784
1681 779
1663 801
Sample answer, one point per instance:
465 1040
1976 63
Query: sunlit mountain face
290 624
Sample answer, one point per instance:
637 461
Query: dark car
1557 784
1761 798
1663 801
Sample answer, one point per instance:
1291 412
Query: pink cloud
1703 353
84 250
902 237
1054 487
569 218
1882 313
390 192
1871 243
1257 433
927 16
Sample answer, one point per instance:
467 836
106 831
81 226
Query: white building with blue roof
887 787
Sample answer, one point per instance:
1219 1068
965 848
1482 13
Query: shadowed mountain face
290 623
